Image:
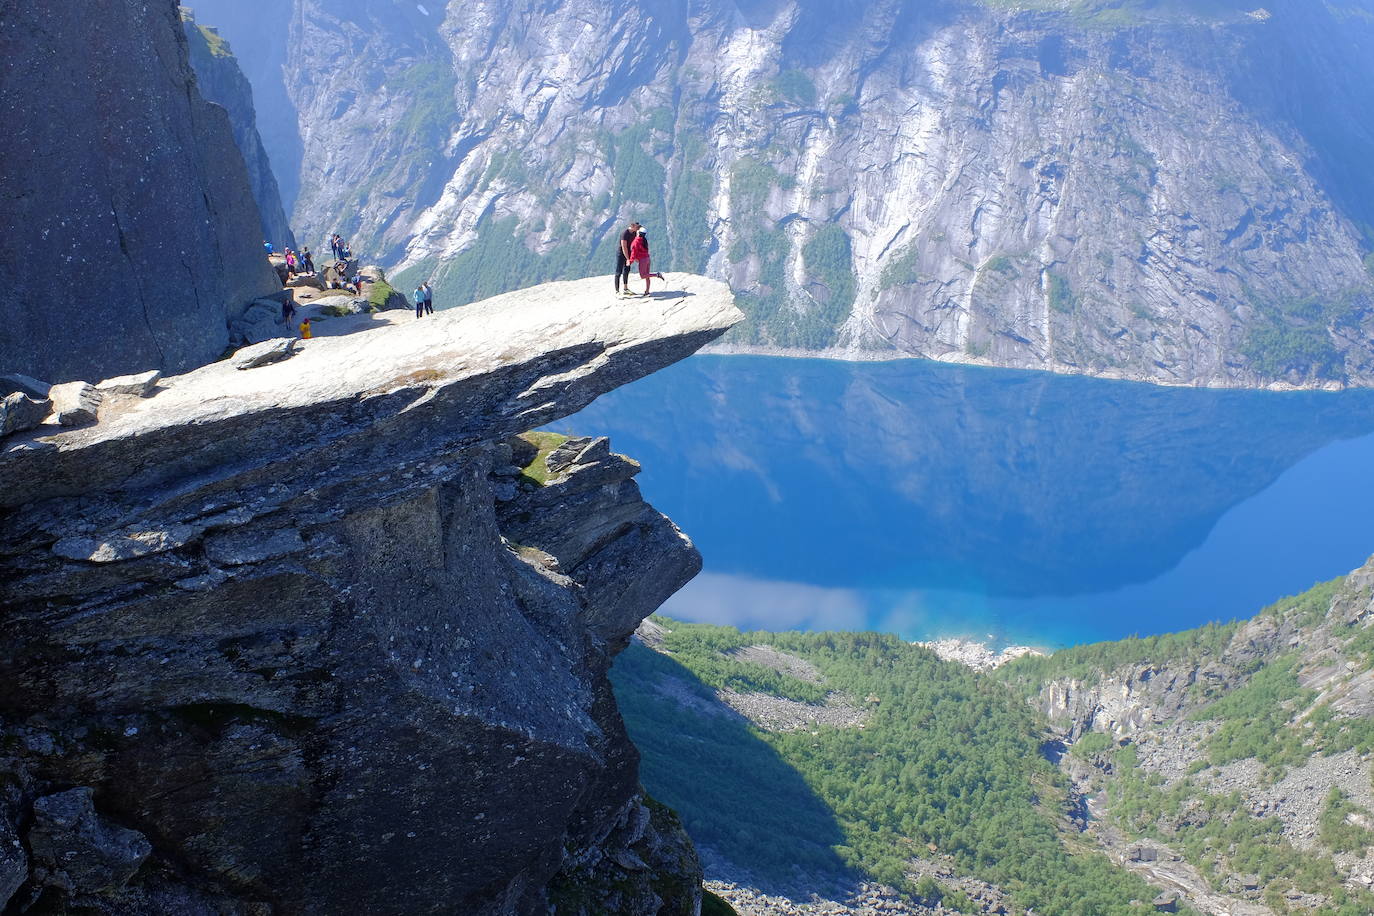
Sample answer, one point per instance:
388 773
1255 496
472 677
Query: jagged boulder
644 864
78 851
19 412
140 385
261 321
75 403
265 353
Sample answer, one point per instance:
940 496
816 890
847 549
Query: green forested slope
948 763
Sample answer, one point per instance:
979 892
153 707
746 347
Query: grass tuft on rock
537 471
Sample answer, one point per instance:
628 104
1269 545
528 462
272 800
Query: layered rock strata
308 631
130 234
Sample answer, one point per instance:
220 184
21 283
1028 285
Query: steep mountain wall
222 82
130 232
260 29
1166 191
316 635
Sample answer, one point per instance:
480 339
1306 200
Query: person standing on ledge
419 300
639 251
429 298
622 259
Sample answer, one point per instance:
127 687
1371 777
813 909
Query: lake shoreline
836 354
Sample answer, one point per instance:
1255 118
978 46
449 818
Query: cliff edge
308 631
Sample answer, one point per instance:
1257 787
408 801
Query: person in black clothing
622 258
307 262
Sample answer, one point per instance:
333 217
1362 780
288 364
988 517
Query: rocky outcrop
1162 692
291 624
222 82
1258 726
131 235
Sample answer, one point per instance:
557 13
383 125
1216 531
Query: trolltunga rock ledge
306 637
484 371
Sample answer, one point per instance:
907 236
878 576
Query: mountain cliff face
1169 191
307 631
130 233
222 82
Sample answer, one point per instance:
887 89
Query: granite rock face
280 620
130 232
1153 695
1158 191
222 82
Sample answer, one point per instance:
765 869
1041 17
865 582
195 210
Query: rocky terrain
222 82
1167 191
131 236
978 656
1263 726
308 631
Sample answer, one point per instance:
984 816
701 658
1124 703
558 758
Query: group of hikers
634 249
298 263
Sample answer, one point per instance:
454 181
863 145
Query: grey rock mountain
1262 725
130 235
318 635
1168 191
222 82
259 28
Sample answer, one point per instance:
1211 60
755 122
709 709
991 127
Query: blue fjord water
1009 507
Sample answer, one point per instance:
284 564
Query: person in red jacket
639 253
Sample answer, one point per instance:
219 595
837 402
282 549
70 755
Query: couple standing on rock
424 300
634 248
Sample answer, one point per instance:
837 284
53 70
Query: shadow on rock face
745 803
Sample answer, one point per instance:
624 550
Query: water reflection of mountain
919 474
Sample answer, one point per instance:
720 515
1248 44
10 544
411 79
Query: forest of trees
948 764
